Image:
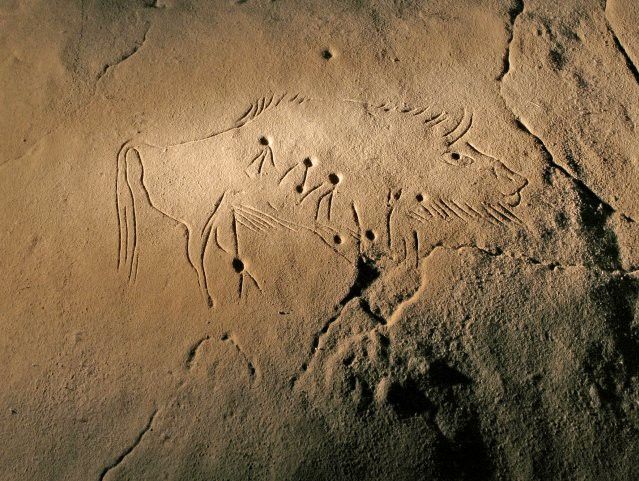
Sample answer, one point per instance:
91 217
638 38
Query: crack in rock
597 211
124 454
126 55
620 47
550 265
514 12
629 63
410 300
581 185
365 275
564 170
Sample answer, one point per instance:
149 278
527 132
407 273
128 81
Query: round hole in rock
263 141
308 162
333 179
238 265
370 235
337 239
326 54
419 198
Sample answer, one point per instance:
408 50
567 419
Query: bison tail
126 215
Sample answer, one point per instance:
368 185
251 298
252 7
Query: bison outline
225 211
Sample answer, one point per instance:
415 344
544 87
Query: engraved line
235 236
216 206
511 213
491 218
459 216
319 204
134 242
470 207
330 203
193 350
254 219
469 214
257 284
438 210
270 151
246 226
456 126
389 230
331 246
305 196
426 210
436 119
291 169
418 217
453 137
245 114
217 240
501 217
281 222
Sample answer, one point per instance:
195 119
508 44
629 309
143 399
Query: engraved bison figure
356 175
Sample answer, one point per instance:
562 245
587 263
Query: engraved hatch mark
260 221
256 221
131 191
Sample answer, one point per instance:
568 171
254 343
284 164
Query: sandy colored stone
319 240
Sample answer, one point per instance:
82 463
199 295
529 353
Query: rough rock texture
363 240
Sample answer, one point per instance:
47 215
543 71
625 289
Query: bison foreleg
196 251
